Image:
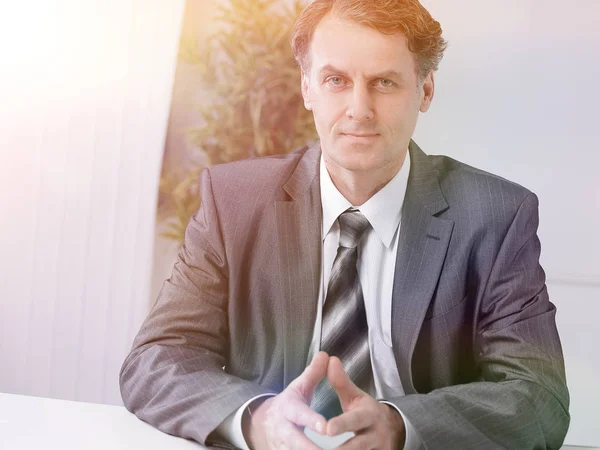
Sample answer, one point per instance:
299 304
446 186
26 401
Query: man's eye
386 83
335 81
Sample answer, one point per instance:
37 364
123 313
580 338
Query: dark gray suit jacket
474 333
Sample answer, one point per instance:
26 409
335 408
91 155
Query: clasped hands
278 422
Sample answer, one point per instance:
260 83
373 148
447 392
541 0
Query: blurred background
109 110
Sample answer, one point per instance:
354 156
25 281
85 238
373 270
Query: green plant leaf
253 104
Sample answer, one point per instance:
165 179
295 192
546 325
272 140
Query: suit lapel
299 241
422 247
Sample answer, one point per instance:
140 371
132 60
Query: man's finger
355 421
306 383
302 415
341 383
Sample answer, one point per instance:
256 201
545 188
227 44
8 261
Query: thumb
306 383
341 383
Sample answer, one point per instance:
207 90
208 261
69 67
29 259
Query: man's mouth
361 135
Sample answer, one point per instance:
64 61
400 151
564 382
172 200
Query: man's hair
409 17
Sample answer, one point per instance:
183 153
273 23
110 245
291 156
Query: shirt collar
383 210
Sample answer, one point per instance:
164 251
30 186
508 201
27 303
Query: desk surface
28 423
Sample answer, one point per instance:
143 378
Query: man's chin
357 163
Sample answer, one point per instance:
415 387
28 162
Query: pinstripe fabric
344 329
473 330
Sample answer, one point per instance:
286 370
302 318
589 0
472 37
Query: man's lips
360 135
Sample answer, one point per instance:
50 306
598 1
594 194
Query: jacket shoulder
470 186
257 173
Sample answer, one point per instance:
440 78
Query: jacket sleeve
174 377
520 399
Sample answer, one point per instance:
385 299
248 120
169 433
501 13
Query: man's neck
359 186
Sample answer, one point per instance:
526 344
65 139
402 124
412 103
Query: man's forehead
376 64
345 45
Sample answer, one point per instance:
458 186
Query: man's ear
304 82
427 93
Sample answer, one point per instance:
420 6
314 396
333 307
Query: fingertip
336 374
323 356
319 427
334 365
331 429
320 363
316 359
335 361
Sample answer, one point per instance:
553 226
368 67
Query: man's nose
361 104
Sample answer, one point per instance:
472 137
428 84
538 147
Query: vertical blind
85 89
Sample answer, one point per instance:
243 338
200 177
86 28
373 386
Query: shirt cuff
412 440
231 428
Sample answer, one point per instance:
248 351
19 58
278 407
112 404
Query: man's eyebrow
329 68
384 74
388 74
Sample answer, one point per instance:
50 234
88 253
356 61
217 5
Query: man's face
365 96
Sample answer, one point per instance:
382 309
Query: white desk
28 423
34 423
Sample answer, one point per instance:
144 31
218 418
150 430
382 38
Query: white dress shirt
376 268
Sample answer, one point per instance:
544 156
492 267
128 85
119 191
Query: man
416 276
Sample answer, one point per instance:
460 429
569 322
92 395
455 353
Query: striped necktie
344 330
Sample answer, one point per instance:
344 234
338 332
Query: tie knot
352 226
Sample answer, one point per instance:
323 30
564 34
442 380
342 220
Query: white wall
85 91
516 94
